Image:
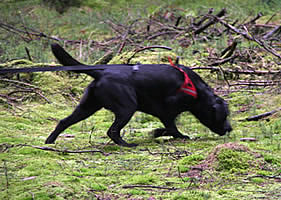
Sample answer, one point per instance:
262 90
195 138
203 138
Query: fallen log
261 116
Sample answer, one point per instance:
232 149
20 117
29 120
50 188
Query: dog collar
187 86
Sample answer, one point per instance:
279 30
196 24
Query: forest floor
238 57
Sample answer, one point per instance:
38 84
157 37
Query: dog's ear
177 60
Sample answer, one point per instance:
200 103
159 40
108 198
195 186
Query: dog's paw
159 132
49 141
185 137
168 132
125 144
131 145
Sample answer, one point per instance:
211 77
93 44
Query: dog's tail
63 57
67 60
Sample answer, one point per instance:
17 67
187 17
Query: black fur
150 88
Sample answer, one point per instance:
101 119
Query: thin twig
16 30
149 186
223 61
18 82
256 72
6 175
64 151
271 32
252 21
146 48
8 146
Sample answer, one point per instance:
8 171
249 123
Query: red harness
187 87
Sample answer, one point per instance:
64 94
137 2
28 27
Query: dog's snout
227 127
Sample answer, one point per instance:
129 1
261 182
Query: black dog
153 89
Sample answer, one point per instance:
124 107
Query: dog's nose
229 129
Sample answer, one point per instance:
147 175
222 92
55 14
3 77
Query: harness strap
187 86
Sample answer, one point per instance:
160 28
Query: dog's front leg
169 130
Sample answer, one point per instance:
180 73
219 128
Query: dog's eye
219 101
216 107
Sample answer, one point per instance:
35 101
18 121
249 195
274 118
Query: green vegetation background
157 168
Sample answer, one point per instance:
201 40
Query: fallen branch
222 61
18 82
204 18
271 32
252 21
247 35
161 33
261 116
228 51
63 151
34 33
248 139
210 22
261 83
264 176
30 90
176 154
4 147
256 72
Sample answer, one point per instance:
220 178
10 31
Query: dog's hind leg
121 119
80 113
86 108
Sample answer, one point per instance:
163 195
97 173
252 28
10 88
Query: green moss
258 180
233 160
272 159
137 192
37 174
193 195
97 187
25 63
143 58
143 179
189 161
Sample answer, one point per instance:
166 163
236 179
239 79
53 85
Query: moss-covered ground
86 164
158 168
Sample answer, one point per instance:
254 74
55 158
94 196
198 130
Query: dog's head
213 114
